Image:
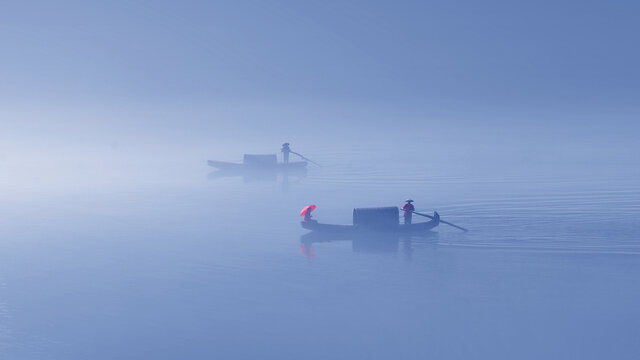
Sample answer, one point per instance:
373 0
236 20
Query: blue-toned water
177 264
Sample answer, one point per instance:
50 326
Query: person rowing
286 150
408 211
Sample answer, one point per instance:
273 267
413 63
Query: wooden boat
251 162
229 166
353 229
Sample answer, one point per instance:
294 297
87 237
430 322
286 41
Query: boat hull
229 166
353 229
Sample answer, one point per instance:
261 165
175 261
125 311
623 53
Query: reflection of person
407 248
285 152
307 249
408 211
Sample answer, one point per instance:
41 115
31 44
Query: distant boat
258 163
379 220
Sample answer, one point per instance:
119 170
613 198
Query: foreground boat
400 228
378 220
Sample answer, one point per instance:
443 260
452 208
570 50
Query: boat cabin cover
260 160
377 218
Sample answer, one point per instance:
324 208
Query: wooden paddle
305 158
442 221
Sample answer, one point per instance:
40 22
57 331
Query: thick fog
515 121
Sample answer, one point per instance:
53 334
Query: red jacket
408 208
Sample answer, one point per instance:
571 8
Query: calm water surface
218 267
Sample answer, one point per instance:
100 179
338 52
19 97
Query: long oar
442 221
304 158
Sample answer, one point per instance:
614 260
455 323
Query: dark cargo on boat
376 218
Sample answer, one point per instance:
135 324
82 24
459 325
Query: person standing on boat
408 211
285 152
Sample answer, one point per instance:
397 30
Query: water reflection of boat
258 175
363 242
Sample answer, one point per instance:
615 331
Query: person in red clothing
408 211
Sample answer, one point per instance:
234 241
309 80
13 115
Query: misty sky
87 77
518 55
